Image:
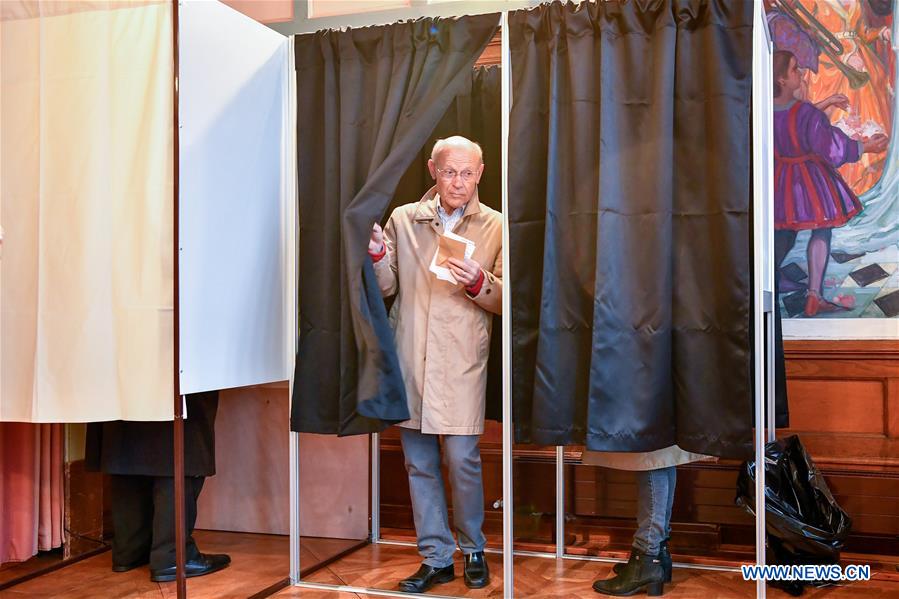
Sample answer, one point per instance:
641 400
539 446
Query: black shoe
205 564
128 567
664 557
641 573
426 577
477 574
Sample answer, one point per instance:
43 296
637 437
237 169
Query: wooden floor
381 566
42 561
258 561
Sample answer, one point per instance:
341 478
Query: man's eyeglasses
450 174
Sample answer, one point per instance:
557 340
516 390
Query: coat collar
427 206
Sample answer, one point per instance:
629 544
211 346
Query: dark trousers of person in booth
139 458
143 517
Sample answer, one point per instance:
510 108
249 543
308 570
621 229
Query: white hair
459 142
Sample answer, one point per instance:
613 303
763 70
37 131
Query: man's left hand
465 271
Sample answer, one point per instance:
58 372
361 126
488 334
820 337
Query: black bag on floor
805 524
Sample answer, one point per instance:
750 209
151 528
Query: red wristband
475 288
377 257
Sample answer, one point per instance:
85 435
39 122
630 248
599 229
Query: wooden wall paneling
891 394
844 402
492 54
269 11
250 492
334 486
83 514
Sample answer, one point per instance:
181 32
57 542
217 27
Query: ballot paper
449 247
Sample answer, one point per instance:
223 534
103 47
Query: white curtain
86 273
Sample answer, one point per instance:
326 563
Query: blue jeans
655 497
463 459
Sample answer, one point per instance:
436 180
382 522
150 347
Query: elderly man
442 332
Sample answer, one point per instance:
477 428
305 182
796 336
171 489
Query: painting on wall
836 175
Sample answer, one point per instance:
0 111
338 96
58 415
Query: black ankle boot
477 574
664 557
641 573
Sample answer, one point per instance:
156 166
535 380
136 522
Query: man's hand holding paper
453 259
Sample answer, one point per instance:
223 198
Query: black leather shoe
642 573
426 577
664 557
477 574
204 564
129 567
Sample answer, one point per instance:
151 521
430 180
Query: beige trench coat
643 460
442 334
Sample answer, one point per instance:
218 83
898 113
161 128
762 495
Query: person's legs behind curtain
162 555
645 570
132 521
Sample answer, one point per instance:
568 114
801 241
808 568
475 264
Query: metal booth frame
763 320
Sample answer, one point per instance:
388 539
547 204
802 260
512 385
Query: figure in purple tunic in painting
809 193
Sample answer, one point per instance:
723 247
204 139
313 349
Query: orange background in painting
860 32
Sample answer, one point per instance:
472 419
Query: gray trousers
463 460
